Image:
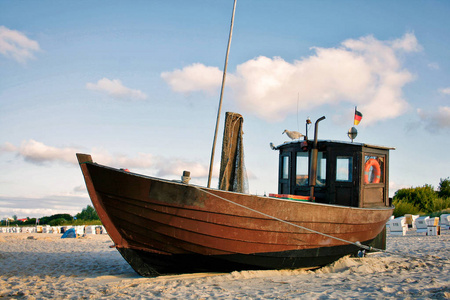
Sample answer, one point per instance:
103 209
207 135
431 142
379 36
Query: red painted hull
162 226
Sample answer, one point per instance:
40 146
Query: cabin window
321 169
301 178
344 166
373 169
285 174
302 171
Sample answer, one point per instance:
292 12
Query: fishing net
233 176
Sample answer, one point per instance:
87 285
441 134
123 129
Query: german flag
358 117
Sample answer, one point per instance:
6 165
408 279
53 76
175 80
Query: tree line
424 200
88 216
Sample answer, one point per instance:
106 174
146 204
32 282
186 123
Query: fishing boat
332 200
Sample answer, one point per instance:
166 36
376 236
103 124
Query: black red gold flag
358 117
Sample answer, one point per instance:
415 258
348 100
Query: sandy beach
44 266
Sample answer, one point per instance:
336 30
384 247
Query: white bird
294 135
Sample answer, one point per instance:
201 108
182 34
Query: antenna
298 98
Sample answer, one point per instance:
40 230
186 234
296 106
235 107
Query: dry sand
48 267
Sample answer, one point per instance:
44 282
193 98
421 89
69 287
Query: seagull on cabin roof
294 135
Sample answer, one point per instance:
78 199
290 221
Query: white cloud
437 120
161 166
445 91
38 207
433 66
7 147
365 72
177 166
38 153
196 77
80 189
141 161
407 43
116 89
16 45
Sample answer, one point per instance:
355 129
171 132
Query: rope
358 244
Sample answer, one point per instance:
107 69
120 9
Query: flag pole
354 118
221 97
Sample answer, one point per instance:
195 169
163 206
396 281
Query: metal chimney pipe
314 154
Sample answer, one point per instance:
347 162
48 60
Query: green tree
29 221
57 222
444 188
47 220
421 197
88 214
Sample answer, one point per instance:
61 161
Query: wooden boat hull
161 226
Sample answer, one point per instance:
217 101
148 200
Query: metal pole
314 153
221 97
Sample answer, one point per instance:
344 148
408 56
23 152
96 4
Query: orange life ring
372 163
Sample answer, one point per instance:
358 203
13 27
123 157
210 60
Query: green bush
31 221
402 208
422 200
439 213
421 197
88 216
439 204
57 222
84 222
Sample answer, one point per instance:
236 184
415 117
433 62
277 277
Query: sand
44 266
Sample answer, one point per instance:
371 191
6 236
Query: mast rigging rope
358 244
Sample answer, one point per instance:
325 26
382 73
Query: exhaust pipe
314 153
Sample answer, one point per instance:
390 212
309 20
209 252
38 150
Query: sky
136 84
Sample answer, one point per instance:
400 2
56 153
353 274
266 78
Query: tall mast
221 97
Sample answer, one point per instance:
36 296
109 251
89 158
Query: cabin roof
293 143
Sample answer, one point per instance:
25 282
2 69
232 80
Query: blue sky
136 84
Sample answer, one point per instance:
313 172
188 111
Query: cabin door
343 178
284 182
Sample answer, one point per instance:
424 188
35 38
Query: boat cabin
350 174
